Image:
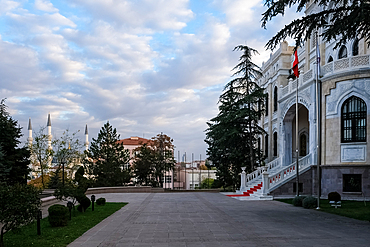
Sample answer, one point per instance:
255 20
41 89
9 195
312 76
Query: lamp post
63 162
92 201
69 206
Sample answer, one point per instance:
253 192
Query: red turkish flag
295 64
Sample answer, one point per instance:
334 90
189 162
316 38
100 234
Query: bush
58 215
309 202
297 201
100 201
334 196
84 204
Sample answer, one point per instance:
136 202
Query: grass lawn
60 236
351 209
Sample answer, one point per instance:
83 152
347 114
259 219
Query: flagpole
296 73
297 140
318 120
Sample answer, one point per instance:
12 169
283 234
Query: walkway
212 219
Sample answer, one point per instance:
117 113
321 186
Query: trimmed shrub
309 202
100 201
334 196
297 201
84 204
58 215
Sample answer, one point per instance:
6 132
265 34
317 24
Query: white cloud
45 5
147 66
143 14
7 6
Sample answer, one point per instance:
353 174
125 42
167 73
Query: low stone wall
128 189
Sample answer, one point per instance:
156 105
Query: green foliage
297 201
309 202
233 134
334 196
41 154
84 203
207 183
69 191
100 201
143 164
19 205
153 159
107 159
342 21
58 215
66 150
14 161
60 236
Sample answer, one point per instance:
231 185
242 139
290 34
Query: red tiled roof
135 141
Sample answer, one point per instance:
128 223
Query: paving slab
213 219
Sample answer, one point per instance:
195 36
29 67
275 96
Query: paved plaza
212 219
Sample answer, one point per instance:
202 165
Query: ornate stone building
345 115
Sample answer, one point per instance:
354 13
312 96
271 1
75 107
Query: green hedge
58 215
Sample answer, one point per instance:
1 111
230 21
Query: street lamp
69 206
92 201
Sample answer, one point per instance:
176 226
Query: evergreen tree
144 164
341 20
233 134
106 158
13 160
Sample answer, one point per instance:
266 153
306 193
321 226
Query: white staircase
262 181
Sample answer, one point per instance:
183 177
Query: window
168 179
259 146
266 145
355 48
275 99
275 144
352 183
303 145
267 104
353 120
342 52
330 59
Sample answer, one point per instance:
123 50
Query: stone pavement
212 219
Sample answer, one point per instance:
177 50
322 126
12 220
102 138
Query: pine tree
106 158
340 20
233 134
13 160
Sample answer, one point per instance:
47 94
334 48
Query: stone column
265 184
242 183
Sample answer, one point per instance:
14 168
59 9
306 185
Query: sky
146 66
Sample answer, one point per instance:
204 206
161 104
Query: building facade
344 114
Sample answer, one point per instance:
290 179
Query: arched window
275 144
355 47
354 120
302 145
342 52
275 99
267 104
266 146
330 59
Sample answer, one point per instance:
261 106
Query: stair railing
257 174
277 178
